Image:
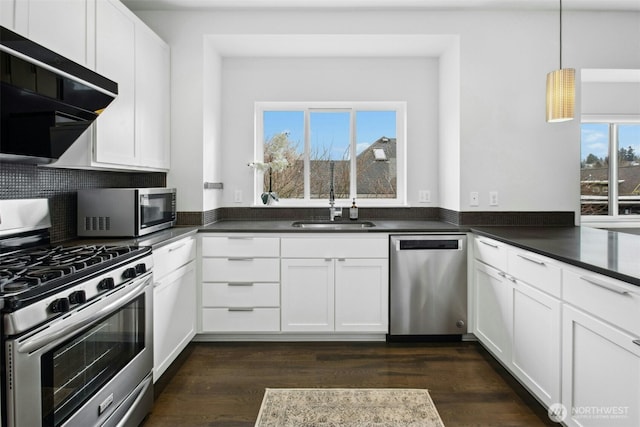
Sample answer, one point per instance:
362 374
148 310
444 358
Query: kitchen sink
333 225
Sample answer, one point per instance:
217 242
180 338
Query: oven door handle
53 334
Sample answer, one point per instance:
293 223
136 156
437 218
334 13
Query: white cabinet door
7 10
115 59
361 295
601 373
492 311
307 290
60 25
535 351
174 316
152 99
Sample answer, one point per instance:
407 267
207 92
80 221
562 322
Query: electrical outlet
493 198
237 196
474 199
424 196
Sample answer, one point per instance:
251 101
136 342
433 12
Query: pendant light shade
561 90
561 95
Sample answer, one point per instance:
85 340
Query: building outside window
610 153
299 144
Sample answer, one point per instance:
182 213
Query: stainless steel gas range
76 326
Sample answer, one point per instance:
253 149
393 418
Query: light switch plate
237 196
424 196
493 198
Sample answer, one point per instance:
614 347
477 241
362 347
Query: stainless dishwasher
428 287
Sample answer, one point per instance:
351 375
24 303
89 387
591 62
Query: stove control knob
141 268
60 305
106 284
78 297
129 273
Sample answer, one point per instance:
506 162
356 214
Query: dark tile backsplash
438 214
20 181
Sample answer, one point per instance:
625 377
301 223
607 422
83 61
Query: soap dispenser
353 210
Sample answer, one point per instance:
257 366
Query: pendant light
561 89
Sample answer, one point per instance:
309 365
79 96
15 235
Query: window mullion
353 188
613 170
307 154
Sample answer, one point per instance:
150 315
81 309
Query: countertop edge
633 280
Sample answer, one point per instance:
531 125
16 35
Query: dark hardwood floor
222 384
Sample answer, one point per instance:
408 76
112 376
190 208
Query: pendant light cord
561 34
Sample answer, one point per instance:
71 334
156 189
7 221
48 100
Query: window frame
613 217
400 107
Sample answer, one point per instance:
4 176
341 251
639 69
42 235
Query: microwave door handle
49 336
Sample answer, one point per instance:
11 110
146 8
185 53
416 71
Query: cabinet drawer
340 246
609 299
241 269
172 256
490 252
536 270
240 246
241 294
248 320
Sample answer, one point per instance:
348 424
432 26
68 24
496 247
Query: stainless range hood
46 100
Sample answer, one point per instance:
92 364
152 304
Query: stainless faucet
333 211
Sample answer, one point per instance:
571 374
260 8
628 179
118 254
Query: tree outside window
362 143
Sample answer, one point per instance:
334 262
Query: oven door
79 369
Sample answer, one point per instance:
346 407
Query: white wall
505 145
248 80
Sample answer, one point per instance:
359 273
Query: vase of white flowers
275 154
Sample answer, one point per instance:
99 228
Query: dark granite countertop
381 226
611 253
155 240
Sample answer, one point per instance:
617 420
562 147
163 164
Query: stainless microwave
125 212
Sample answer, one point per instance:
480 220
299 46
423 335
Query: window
301 143
610 153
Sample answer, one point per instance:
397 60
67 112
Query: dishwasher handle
428 244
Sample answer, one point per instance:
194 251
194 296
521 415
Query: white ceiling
620 5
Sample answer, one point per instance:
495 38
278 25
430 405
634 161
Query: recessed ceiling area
330 45
617 5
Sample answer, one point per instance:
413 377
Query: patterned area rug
353 407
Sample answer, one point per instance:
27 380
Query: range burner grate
23 270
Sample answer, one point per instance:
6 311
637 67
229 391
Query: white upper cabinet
115 59
152 86
59 25
7 8
133 131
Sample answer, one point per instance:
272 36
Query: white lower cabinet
571 336
240 290
518 315
308 295
361 295
316 284
535 348
343 294
492 322
173 316
601 373
328 286
174 302
601 351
